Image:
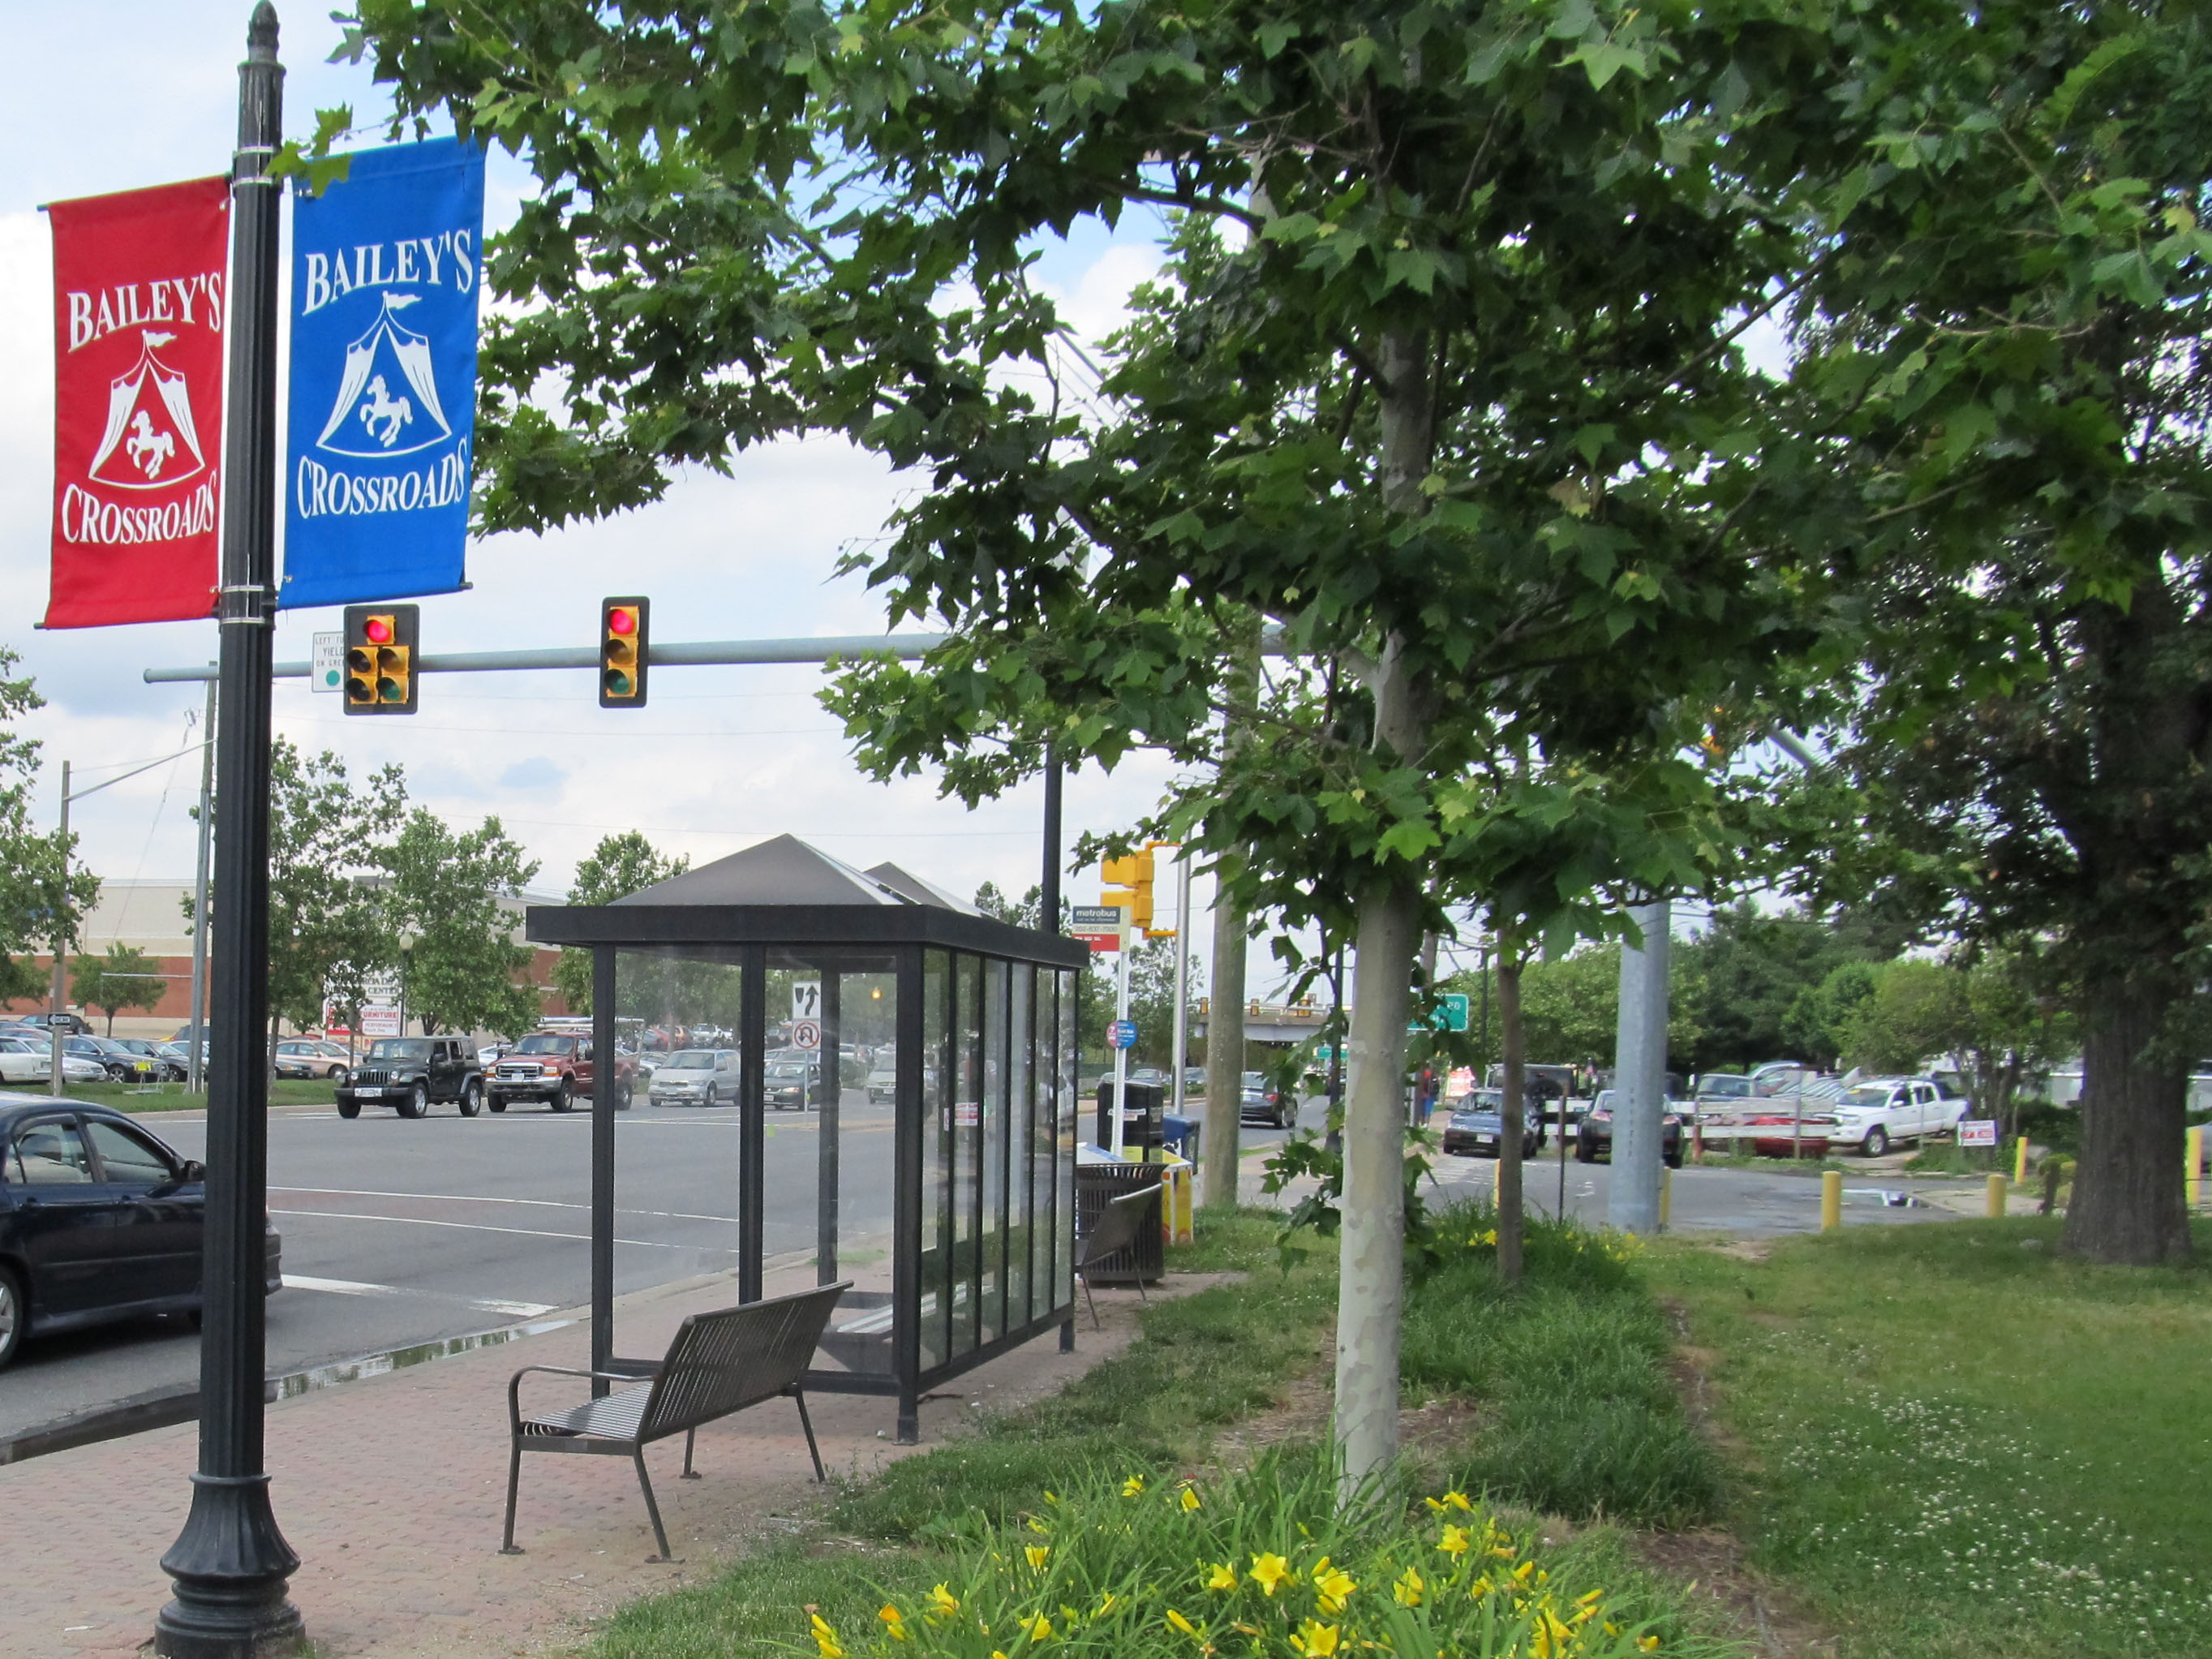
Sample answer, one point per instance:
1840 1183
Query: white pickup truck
1875 1113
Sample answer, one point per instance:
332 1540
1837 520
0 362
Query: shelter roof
915 888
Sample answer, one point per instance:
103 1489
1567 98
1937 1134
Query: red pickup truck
556 1067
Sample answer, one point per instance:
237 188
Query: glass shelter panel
1021 1122
967 1153
1064 1160
1044 1027
994 1149
936 1265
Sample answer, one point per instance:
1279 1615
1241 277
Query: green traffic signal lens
390 690
619 684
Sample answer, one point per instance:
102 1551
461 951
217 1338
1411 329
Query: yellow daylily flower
943 1599
1406 1592
1334 1587
1315 1641
1268 1571
1222 1577
894 1621
1037 1554
1450 1500
1454 1540
1038 1627
1649 1643
1133 1487
825 1638
1189 1498
1181 1623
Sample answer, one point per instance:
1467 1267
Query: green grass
1580 1416
1959 1444
173 1097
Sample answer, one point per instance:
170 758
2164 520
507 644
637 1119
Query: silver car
695 1077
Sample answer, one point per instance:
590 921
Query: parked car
490 1056
310 1057
695 1077
1876 1114
74 1022
1260 1100
1720 1085
1596 1139
410 1074
161 1068
1477 1128
883 1083
120 1065
30 1059
788 1084
1194 1080
556 1067
100 1220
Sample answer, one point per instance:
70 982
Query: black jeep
411 1072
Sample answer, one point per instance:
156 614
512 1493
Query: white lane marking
479 1227
356 1287
471 1198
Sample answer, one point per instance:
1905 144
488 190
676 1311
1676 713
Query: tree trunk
2129 1206
1371 1243
1224 1049
1513 1071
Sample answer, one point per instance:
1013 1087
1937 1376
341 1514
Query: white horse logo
380 405
149 451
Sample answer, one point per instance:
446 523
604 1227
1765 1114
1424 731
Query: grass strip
1571 1367
1959 1444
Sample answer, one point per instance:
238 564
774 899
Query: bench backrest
1118 1226
724 1361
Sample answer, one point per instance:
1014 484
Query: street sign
1098 924
379 1022
1978 1132
330 663
806 1004
806 1034
1122 1034
1450 1014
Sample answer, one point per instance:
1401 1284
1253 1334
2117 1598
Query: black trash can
1098 1185
1143 1133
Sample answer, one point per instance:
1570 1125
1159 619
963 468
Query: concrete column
1639 1075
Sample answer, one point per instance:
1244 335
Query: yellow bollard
2020 1161
1996 1196
1831 1200
1666 1196
2195 1164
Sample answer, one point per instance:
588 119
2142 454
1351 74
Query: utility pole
195 1067
230 1564
1639 1074
1049 888
1120 1125
60 943
1181 974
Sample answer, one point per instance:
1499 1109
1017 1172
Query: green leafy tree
2005 454
1822 1022
1995 1018
1571 1007
1753 968
328 928
122 978
1438 386
40 881
619 865
464 970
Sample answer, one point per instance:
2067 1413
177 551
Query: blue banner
385 271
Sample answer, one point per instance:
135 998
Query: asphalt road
400 1233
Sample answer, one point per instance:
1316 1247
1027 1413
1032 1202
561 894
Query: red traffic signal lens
622 619
377 631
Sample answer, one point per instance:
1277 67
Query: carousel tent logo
387 397
150 440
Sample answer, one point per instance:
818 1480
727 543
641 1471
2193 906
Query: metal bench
719 1362
1118 1227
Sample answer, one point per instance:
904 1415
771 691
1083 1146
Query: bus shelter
905 1091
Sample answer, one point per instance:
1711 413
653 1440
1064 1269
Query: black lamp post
230 1564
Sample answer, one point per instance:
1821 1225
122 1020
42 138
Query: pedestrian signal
1134 873
379 658
623 624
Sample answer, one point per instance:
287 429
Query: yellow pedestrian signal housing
1134 873
623 625
379 658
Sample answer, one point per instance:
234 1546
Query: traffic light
379 658
1133 872
623 625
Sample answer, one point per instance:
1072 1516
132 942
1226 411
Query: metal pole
60 943
604 1060
825 1141
752 1121
1120 1126
195 1069
1640 1081
1181 974
230 1564
1049 888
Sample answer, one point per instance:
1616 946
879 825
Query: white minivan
695 1077
1876 1114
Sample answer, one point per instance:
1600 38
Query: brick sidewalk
391 1490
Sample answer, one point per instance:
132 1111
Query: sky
112 95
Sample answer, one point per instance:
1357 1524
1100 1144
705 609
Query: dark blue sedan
100 1220
1474 1129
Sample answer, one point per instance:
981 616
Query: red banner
139 301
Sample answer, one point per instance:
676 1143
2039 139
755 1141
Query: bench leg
514 1474
1088 1301
807 1422
689 1435
645 1485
